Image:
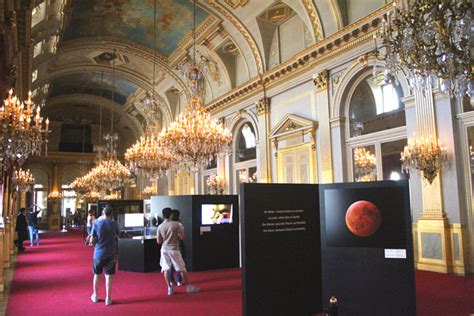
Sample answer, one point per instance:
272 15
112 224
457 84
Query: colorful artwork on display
371 218
133 19
91 83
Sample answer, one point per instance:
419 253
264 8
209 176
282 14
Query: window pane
375 106
364 164
391 163
246 147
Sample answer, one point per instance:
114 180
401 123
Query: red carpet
56 279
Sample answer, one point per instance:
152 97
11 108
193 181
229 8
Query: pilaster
2 283
321 82
54 216
264 147
433 230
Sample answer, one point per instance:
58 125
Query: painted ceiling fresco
133 19
90 83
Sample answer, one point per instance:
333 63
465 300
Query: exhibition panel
306 244
281 251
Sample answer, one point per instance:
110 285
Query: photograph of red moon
364 217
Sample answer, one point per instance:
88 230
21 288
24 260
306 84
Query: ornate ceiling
75 40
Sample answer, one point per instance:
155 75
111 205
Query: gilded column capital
263 106
321 80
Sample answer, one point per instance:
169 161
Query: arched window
245 154
375 106
376 130
246 147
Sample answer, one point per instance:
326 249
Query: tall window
376 130
245 154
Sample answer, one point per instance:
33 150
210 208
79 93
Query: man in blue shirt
104 233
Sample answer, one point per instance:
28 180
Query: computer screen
216 214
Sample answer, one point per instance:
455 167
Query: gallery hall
237 157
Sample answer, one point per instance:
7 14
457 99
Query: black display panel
214 245
281 250
366 247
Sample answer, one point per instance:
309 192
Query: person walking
21 229
179 281
168 236
33 226
104 237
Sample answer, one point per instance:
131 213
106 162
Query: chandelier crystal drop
425 155
23 180
23 131
430 38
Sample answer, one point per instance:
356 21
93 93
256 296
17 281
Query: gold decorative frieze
263 106
235 3
315 22
321 80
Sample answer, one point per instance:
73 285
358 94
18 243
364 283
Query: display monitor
216 214
134 220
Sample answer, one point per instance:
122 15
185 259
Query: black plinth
138 255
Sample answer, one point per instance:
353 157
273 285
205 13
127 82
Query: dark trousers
20 244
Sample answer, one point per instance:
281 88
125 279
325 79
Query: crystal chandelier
425 155
22 130
364 163
23 180
149 191
91 197
148 156
55 196
216 184
430 38
83 185
194 137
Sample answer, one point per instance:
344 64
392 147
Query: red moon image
363 218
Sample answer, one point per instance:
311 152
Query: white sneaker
192 289
170 291
94 298
171 284
108 301
179 284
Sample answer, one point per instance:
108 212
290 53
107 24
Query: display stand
138 255
206 246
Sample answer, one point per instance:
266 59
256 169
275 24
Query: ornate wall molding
263 106
321 80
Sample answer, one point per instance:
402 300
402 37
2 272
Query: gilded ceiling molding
235 3
330 47
123 47
92 100
243 30
315 21
336 11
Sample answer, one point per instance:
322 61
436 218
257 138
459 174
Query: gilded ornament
321 80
